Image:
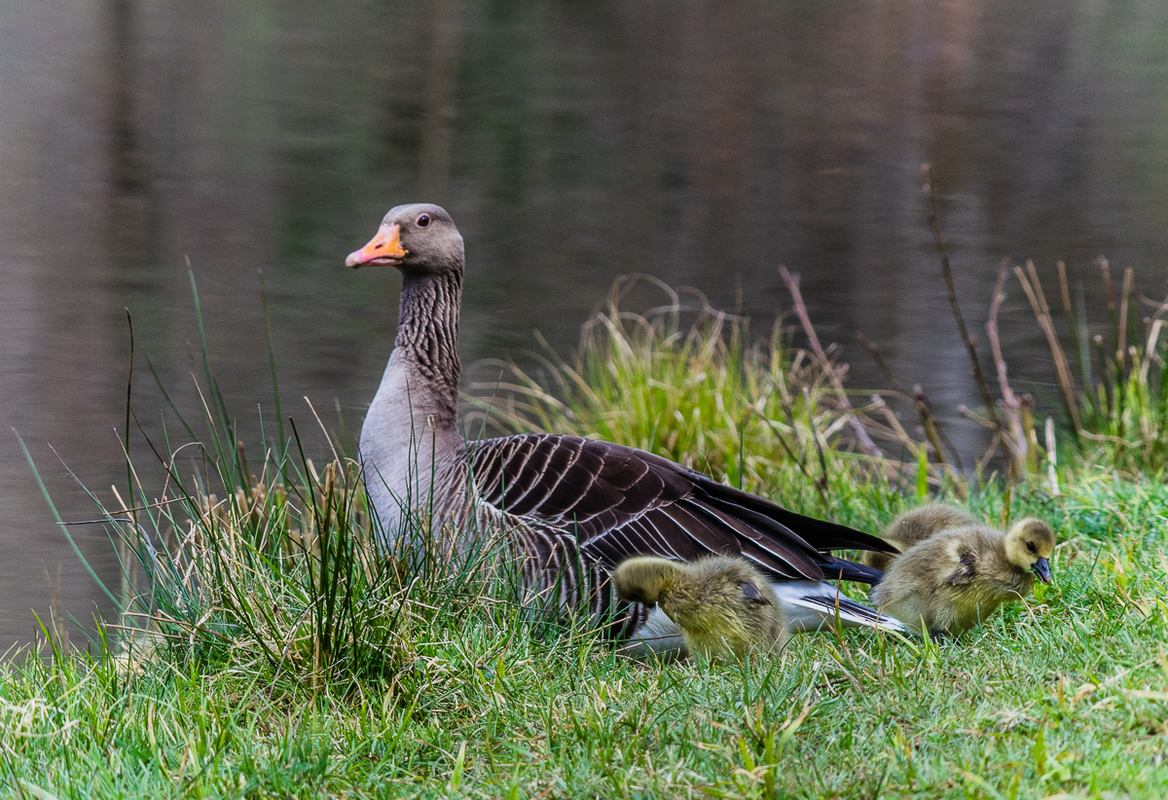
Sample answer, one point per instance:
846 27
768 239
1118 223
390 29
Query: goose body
573 508
915 526
958 577
723 605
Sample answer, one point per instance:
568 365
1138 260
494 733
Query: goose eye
1030 546
423 221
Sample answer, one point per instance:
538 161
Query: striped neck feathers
427 334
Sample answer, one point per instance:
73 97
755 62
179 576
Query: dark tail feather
826 535
820 534
843 570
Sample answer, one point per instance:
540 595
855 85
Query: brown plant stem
934 431
1014 440
1121 343
1062 369
865 441
947 271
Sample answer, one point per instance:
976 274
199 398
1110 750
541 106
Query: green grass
279 654
1066 694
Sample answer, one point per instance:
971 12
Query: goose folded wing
618 502
571 480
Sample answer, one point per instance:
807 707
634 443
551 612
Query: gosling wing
965 570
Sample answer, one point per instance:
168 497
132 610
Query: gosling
915 526
957 578
723 605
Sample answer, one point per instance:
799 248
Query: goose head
420 239
1029 545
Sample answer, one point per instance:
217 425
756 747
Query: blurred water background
704 143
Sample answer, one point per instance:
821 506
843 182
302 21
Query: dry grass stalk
1109 292
894 430
865 441
934 432
1062 368
1013 437
1051 457
1121 342
947 272
1066 289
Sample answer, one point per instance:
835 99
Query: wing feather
614 502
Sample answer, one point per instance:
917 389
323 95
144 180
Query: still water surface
705 143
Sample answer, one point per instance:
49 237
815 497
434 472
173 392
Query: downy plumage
958 577
916 526
724 606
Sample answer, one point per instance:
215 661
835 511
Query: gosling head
1029 546
643 579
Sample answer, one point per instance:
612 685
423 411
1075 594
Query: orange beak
384 250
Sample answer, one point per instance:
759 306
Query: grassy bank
280 655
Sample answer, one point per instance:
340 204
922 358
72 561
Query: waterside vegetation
269 649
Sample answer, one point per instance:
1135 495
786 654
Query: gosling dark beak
1042 570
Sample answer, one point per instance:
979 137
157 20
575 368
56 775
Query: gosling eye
423 221
751 592
1030 546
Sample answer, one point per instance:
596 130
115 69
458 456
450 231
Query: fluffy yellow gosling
958 577
723 605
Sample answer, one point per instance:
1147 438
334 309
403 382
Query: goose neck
427 332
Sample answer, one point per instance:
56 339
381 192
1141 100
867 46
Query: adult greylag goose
574 507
